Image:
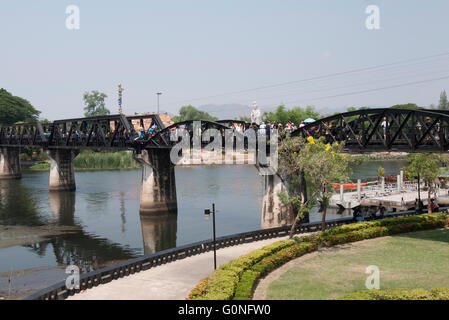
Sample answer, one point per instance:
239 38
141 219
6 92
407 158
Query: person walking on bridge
384 128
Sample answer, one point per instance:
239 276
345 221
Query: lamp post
207 215
158 94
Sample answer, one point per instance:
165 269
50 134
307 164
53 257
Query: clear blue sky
198 48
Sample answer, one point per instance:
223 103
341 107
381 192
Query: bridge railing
107 274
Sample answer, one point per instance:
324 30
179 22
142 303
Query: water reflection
82 249
18 205
159 231
122 211
97 200
106 208
62 205
88 252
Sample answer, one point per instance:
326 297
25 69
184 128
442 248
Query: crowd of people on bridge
427 131
142 134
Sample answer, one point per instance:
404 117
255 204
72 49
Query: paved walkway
172 281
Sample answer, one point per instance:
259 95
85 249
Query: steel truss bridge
113 132
377 130
370 130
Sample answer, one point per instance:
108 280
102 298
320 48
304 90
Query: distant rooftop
165 118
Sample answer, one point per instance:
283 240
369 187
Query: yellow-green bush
221 284
399 294
88 160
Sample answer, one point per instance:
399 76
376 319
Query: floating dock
400 195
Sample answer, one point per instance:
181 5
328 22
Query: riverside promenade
173 273
171 281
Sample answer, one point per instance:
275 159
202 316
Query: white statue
256 115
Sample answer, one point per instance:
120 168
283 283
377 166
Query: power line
374 76
375 89
351 85
331 75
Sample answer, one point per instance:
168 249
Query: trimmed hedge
245 285
399 294
222 282
236 279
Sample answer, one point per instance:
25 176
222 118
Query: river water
105 207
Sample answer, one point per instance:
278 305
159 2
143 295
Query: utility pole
120 91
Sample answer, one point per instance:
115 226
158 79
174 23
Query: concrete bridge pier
274 212
158 191
62 176
10 163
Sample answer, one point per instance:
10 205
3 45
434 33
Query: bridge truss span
377 130
196 129
116 132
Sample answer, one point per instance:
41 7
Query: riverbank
123 160
379 156
89 160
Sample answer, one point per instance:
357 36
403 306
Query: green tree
427 167
321 165
443 104
381 172
14 109
408 106
95 105
351 109
191 113
295 115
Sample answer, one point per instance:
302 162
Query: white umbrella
309 120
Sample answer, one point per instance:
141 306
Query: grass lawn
418 260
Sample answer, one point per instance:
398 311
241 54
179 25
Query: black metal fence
107 274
